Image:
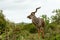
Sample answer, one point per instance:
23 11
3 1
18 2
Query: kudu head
33 13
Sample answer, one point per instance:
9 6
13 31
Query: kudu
38 22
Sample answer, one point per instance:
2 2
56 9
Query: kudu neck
34 17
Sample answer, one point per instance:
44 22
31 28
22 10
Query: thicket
27 31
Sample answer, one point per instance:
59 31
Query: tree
46 19
2 22
56 18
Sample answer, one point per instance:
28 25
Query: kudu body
38 22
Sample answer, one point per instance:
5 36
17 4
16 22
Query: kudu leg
42 31
38 33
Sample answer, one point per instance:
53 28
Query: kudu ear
33 13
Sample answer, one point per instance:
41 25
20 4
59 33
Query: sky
18 10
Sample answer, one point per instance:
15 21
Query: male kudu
38 22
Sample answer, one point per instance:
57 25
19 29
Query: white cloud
17 10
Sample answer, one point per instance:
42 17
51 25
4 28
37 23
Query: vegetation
27 31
